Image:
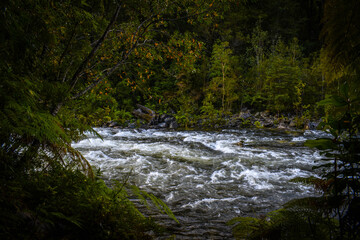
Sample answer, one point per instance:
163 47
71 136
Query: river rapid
207 178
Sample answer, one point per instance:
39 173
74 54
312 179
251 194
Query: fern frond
158 203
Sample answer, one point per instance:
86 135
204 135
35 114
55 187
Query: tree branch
94 50
76 75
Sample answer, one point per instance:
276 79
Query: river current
207 178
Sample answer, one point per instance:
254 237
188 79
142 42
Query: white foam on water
267 154
101 131
170 197
296 172
216 176
125 133
317 133
207 170
258 178
225 146
196 138
155 177
96 155
94 142
207 201
298 139
192 169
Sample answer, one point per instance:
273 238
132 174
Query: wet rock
234 123
245 115
113 124
282 125
312 125
169 119
264 114
267 123
162 125
173 125
163 117
292 124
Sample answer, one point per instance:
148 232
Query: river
207 178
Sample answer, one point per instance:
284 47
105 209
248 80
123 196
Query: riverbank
245 119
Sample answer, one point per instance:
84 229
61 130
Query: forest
70 65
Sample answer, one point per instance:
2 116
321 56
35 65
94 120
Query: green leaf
159 204
83 2
69 219
334 100
321 144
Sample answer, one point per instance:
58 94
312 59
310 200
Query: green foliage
341 35
62 203
70 65
339 183
303 119
160 205
288 223
334 215
282 85
223 84
257 124
122 116
322 144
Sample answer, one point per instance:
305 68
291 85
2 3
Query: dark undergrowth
62 203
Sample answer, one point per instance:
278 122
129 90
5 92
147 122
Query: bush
65 204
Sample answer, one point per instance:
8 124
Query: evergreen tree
223 83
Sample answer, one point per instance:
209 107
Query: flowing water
207 178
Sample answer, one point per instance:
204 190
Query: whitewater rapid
207 178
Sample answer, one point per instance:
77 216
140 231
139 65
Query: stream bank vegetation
70 65
335 213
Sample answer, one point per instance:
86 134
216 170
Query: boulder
267 123
245 115
162 125
264 114
312 125
292 123
113 124
282 125
169 119
162 117
173 125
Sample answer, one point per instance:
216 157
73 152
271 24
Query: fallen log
144 113
145 109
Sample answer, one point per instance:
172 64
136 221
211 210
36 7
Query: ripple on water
204 177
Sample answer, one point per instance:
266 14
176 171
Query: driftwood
144 113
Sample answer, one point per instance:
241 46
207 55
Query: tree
56 52
56 58
223 82
341 34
